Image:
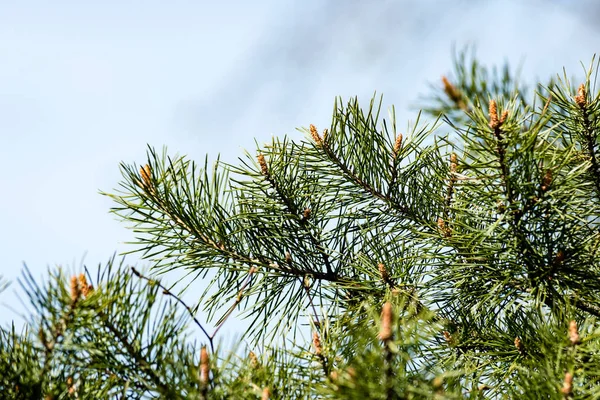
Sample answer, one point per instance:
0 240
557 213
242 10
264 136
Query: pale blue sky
85 85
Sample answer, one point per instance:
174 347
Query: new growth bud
567 389
317 344
453 93
315 135
306 213
266 394
546 180
573 334
263 165
204 366
383 272
519 345
75 291
253 360
453 163
397 144
385 333
581 98
493 111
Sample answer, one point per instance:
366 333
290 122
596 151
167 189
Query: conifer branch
294 210
589 135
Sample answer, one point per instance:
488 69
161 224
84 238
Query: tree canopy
457 258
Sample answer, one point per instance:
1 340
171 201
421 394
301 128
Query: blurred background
85 85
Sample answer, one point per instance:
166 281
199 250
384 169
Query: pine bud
204 366
452 92
453 163
581 99
567 389
385 332
306 213
519 345
288 257
383 272
75 291
263 165
253 360
70 385
546 180
146 174
334 376
444 229
315 135
493 111
397 144
573 334
447 337
85 288
317 344
266 394
503 117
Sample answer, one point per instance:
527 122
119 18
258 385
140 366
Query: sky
85 85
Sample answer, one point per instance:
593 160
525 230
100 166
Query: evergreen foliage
457 259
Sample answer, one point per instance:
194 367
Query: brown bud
204 366
317 344
315 135
503 117
334 376
85 288
567 389
306 213
75 290
451 90
453 163
581 99
288 257
441 224
253 360
447 336
146 174
546 180
573 334
266 394
397 144
519 345
70 385
493 111
263 165
325 132
383 272
444 229
385 333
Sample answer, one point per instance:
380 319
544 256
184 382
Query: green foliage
455 260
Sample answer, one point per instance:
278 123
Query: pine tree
457 259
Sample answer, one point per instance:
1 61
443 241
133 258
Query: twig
167 292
